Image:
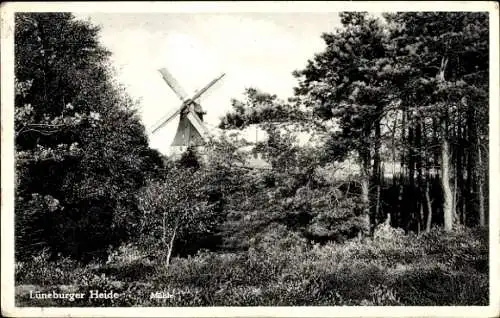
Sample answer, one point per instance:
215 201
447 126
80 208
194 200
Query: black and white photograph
235 158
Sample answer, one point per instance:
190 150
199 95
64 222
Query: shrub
382 295
385 232
465 248
126 254
434 285
177 208
39 270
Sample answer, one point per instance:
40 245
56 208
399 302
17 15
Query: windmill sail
165 119
174 85
204 89
196 122
191 130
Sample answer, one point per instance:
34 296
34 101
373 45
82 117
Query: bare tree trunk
401 215
401 195
463 180
365 157
393 145
419 166
458 176
377 206
482 216
448 204
412 211
376 174
365 198
171 245
428 224
448 210
470 186
436 157
428 166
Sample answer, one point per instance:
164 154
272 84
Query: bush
128 263
41 271
126 254
433 285
385 232
382 296
204 270
465 248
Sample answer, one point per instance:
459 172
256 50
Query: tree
419 80
176 207
282 121
445 86
79 142
259 107
410 88
346 82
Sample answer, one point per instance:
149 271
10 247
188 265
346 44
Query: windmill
191 130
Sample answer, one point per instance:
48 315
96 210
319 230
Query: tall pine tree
346 83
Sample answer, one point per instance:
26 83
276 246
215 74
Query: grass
281 269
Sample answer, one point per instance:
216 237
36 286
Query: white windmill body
191 130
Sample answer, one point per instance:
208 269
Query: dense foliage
81 151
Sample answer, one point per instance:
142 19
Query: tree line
407 90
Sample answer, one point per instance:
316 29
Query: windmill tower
191 130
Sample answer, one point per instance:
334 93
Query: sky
258 50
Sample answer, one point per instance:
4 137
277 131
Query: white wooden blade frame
197 124
173 84
204 89
190 131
